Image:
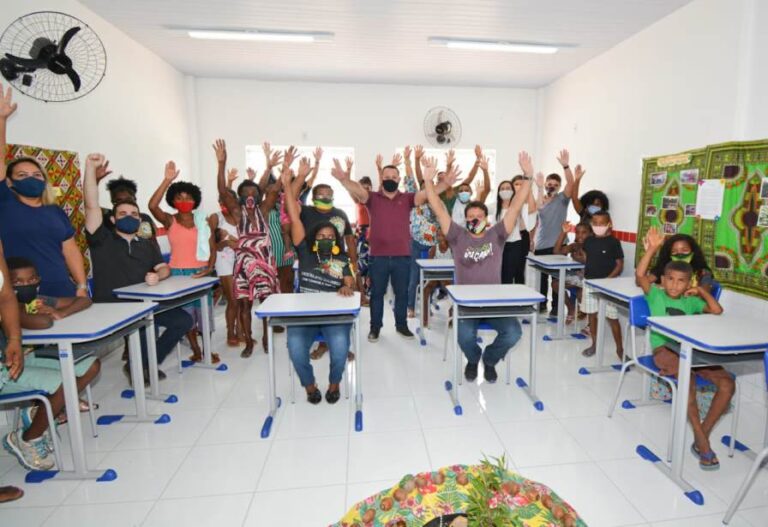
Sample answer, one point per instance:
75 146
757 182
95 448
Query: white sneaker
32 455
26 416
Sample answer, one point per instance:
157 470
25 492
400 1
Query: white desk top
494 295
715 333
308 304
436 264
99 320
169 289
621 287
555 261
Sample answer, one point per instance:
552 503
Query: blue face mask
592 209
464 196
29 187
128 224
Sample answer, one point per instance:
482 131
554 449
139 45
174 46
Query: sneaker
26 416
373 335
470 371
32 455
489 372
404 332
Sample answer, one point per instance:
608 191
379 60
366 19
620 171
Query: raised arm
232 176
652 243
420 198
575 192
273 159
291 204
171 173
355 189
93 214
7 107
9 317
318 155
380 168
450 158
533 203
713 306
560 247
513 212
418 153
539 189
486 188
433 195
564 158
229 201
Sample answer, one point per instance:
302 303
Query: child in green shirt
676 297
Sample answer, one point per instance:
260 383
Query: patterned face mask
476 226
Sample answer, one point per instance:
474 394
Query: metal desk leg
137 378
600 343
205 313
274 400
420 329
72 405
358 385
675 470
453 388
560 331
530 390
154 381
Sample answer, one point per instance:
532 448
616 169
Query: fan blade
74 77
32 64
71 32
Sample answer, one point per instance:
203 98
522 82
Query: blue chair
35 395
638 315
750 479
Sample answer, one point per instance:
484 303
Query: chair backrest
639 312
424 255
717 290
765 361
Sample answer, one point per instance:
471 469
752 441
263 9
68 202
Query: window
254 158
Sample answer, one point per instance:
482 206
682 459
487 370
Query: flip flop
10 493
712 463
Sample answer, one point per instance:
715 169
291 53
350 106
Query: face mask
506 194
224 210
464 196
390 185
682 257
249 202
30 187
326 247
551 190
592 209
184 206
127 224
323 204
26 293
600 230
476 226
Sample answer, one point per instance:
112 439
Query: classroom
384 263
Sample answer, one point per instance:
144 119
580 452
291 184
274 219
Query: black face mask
26 293
390 185
551 190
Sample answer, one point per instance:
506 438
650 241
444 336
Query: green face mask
682 257
323 204
326 247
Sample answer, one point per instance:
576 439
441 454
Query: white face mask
506 194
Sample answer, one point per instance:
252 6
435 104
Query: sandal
569 319
85 408
10 494
707 460
196 357
233 341
315 397
586 332
332 397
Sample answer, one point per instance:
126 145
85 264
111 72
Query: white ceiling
385 41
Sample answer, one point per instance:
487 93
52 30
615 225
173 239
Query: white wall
371 118
136 116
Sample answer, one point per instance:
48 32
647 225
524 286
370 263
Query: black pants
545 282
513 260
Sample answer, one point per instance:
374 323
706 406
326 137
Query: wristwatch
83 287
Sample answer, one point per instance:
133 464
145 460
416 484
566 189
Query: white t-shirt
457 215
526 221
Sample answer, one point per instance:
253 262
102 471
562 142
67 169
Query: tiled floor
209 466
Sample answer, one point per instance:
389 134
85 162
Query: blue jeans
177 323
381 270
508 332
300 339
416 253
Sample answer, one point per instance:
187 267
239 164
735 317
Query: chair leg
347 375
745 486
675 394
178 355
91 413
446 342
615 400
293 383
734 421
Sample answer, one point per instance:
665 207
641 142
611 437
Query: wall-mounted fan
442 127
52 56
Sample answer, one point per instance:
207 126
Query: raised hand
397 159
286 177
483 163
478 152
418 152
102 171
407 153
304 167
349 162
479 187
379 162
290 156
220 147
567 226
540 179
653 239
251 173
274 160
7 106
450 157
563 157
452 175
232 175
267 149
338 172
430 168
526 163
579 172
171 172
318 153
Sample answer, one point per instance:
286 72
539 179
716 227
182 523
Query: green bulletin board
736 243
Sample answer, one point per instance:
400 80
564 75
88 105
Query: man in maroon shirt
390 240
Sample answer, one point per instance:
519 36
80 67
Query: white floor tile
390 414
375 457
307 462
714 520
221 511
756 517
19 513
183 431
540 443
236 425
464 445
436 411
297 508
303 419
604 438
97 515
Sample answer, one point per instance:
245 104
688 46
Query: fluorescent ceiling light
258 35
494 45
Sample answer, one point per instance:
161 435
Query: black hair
498 198
365 180
588 198
682 267
120 184
584 224
312 236
124 202
476 205
183 186
318 187
245 184
556 177
391 166
603 213
698 261
19 160
19 262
